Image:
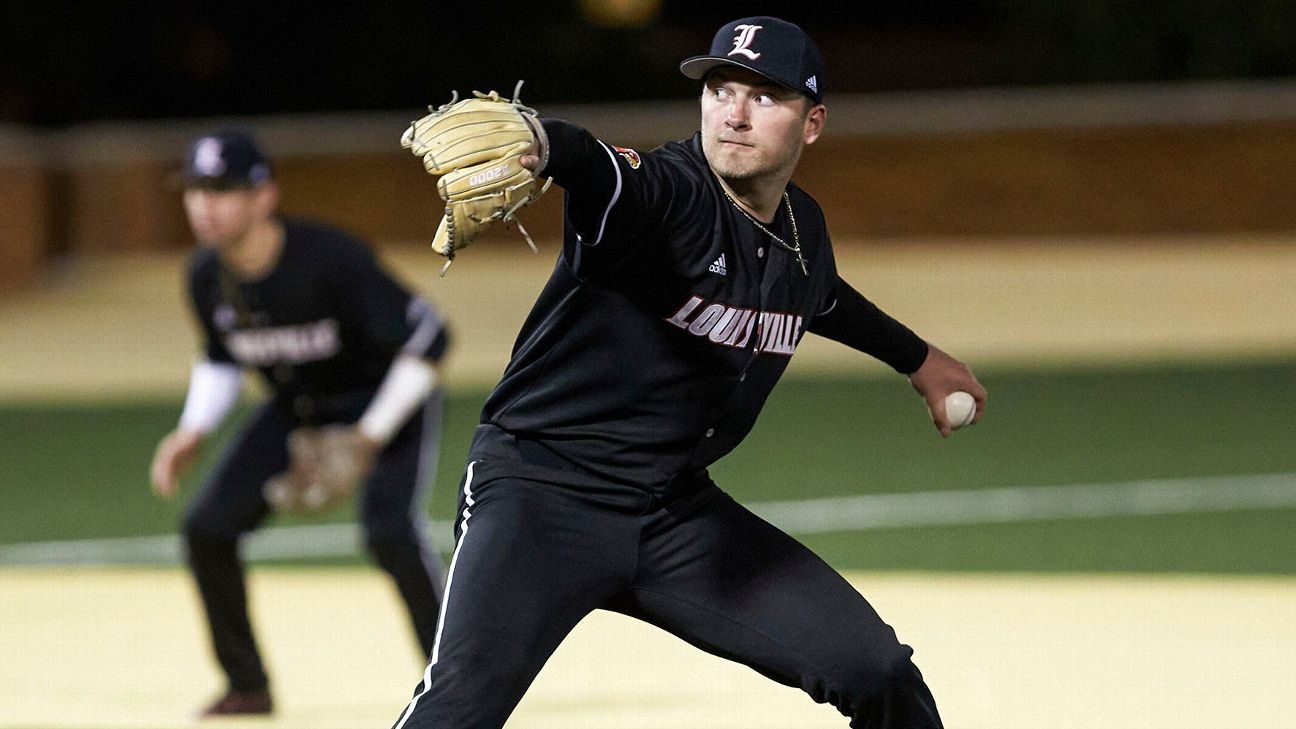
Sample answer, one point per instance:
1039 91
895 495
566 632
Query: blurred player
344 349
688 276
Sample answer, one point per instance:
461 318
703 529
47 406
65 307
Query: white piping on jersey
831 306
445 601
616 195
428 456
429 326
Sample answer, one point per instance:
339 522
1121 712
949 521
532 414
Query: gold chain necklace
796 236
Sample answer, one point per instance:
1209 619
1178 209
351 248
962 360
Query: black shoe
241 703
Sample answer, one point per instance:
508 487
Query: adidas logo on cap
812 83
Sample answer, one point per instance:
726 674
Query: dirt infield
91 649
113 325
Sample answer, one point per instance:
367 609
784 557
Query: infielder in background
350 357
687 277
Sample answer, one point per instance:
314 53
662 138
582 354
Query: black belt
537 453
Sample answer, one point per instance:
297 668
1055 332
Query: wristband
408 383
213 390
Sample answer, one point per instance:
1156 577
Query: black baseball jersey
322 326
670 314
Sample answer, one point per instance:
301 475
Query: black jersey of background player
668 319
322 326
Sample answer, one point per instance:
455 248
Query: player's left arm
853 320
615 197
397 321
328 463
409 382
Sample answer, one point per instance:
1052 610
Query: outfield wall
24 201
1116 160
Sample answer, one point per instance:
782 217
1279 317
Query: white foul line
1036 503
809 516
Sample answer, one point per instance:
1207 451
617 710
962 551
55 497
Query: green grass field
78 470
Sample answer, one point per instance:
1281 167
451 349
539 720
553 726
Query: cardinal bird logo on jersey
631 156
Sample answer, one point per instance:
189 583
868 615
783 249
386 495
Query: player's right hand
939 375
174 455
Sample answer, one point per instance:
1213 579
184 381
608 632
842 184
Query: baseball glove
325 466
476 145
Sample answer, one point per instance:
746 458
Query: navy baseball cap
776 49
225 159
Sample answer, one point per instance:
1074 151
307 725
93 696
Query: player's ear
815 119
267 197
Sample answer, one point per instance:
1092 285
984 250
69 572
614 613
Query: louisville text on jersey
733 326
284 345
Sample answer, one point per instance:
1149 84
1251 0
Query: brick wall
1112 163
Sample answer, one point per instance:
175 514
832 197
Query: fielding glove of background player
325 466
476 146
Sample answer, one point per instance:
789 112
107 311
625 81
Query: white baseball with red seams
960 408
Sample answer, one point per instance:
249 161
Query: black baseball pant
534 556
232 504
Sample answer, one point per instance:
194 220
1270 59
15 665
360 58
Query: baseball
960 408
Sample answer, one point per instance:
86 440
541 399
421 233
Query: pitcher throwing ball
688 276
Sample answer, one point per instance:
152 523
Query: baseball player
344 350
687 278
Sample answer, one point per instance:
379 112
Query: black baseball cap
774 48
225 159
